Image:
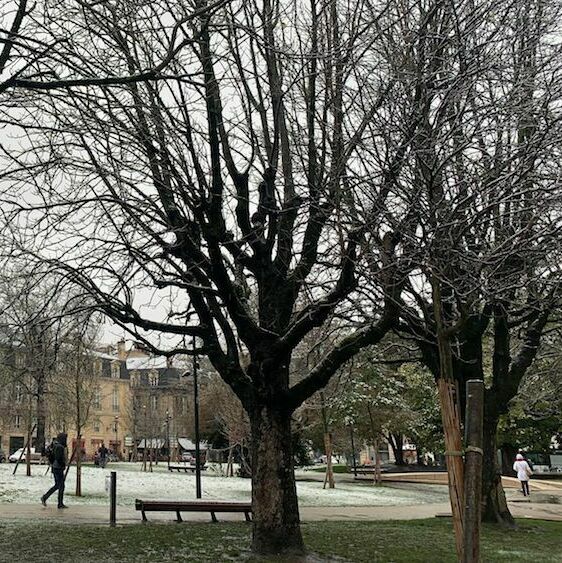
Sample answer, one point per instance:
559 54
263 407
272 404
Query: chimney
121 351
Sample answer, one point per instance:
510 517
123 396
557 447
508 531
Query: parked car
187 457
35 457
2 457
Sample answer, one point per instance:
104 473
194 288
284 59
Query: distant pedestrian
102 452
57 459
521 467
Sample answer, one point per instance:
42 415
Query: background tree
76 383
475 201
36 315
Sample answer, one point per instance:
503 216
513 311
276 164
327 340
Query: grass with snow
161 484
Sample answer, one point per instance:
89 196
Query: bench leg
178 519
247 515
143 516
213 517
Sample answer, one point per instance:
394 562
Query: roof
187 444
103 355
153 362
157 443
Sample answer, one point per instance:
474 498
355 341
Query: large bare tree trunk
494 503
276 526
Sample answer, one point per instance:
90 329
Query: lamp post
353 450
116 422
145 439
168 435
196 422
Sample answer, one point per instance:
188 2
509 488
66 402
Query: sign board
128 441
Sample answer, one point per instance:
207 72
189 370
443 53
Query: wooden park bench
178 507
185 468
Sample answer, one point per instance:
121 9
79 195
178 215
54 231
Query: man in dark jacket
102 452
58 467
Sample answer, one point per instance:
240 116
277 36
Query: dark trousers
58 474
525 487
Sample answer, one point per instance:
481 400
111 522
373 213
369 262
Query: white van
35 456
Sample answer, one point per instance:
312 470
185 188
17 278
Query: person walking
57 459
103 451
521 467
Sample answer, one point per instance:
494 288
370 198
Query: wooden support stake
473 470
455 463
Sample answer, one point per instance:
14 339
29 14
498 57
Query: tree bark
276 523
378 475
397 443
494 503
41 410
329 477
508 453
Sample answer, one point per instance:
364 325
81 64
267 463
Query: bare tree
476 204
226 192
76 383
45 46
35 317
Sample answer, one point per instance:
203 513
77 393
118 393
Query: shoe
62 506
43 501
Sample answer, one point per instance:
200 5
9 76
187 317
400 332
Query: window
17 421
135 378
19 393
153 402
20 359
115 399
184 405
97 425
115 371
96 403
153 378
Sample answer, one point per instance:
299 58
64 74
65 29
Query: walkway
98 514
427 478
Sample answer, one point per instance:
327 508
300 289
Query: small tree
76 382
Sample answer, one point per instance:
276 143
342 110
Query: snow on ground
133 483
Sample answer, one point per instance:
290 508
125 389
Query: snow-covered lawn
133 483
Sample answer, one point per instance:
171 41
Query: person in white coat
521 467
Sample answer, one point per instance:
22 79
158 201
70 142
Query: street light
196 421
145 439
116 443
168 435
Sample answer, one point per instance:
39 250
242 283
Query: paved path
427 478
97 514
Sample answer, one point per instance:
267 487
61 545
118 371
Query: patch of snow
161 484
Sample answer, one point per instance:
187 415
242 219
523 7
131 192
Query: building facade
127 396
